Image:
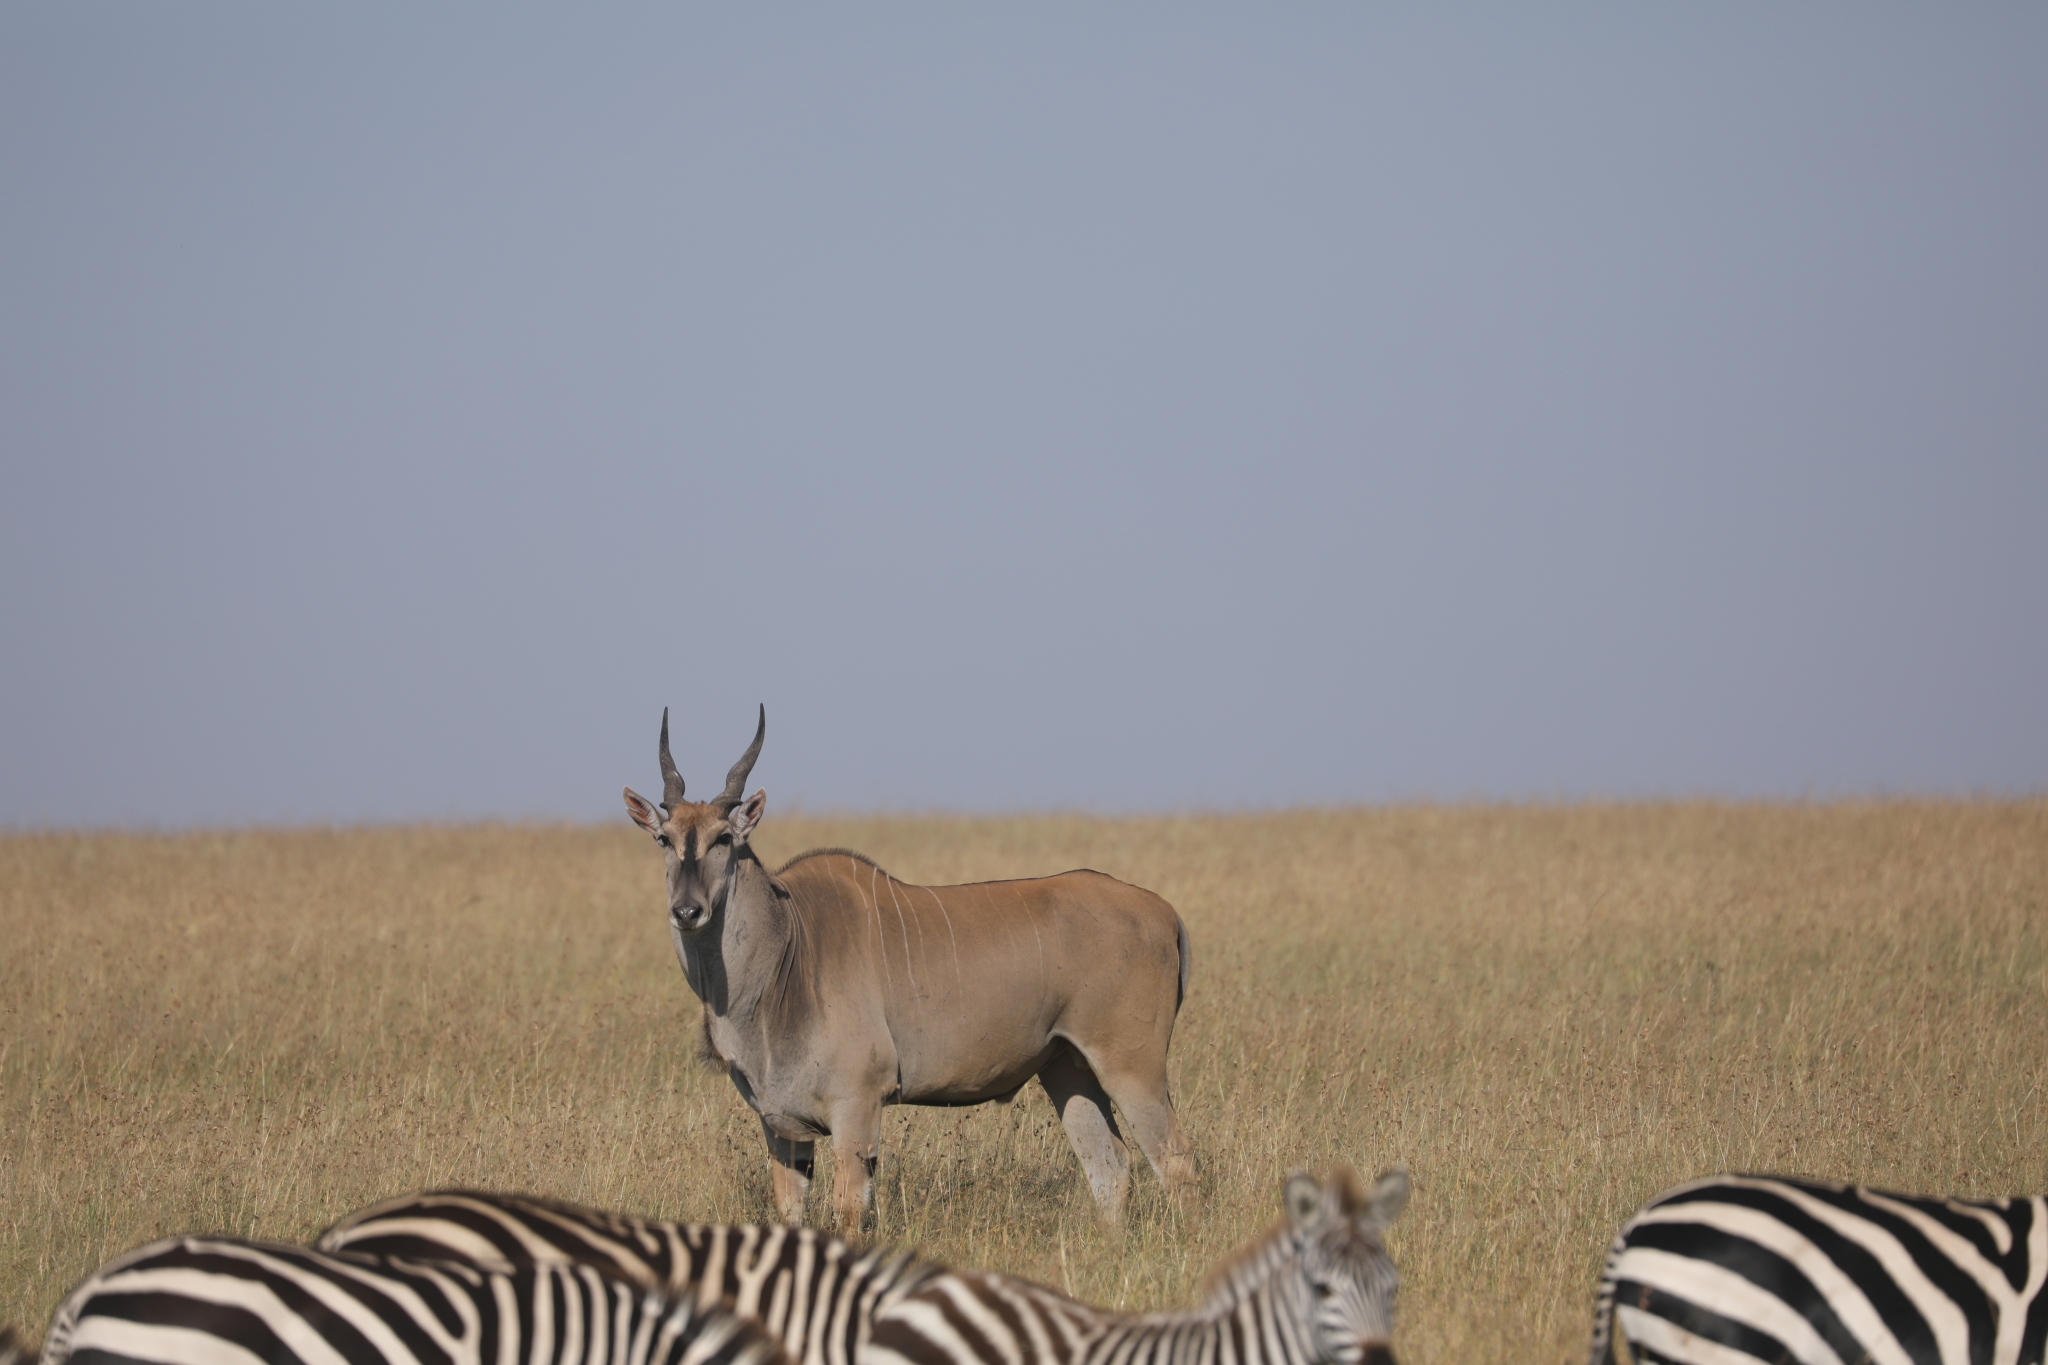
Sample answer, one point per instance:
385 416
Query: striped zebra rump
814 1293
225 1301
1317 1290
1736 1268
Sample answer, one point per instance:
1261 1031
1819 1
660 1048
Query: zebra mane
899 1271
1233 1279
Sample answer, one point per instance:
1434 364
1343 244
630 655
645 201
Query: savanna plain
1549 1012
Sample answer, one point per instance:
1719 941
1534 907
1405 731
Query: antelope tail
1186 962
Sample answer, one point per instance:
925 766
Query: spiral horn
736 780
671 780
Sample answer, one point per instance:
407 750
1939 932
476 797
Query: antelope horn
736 780
671 780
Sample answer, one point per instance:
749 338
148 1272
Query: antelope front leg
856 1129
789 1171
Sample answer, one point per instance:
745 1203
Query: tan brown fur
832 989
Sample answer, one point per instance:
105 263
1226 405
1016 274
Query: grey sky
1125 407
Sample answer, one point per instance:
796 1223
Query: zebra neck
1245 1272
1255 1316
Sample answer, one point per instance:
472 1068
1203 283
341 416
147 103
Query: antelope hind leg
1157 1128
789 1171
1139 1088
1083 1106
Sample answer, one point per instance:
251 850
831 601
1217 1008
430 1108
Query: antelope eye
664 841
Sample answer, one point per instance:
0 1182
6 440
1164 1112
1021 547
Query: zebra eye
1319 1287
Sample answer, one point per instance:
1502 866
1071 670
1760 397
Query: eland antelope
830 989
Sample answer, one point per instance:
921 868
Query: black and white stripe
812 1291
223 1301
1739 1268
1318 1290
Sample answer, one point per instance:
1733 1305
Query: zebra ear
1304 1200
1388 1197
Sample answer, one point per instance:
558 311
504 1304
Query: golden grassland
1550 1012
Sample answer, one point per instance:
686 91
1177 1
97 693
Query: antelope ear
643 812
1304 1201
1388 1197
746 816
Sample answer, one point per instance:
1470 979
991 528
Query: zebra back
1317 1290
225 1301
813 1292
1812 1271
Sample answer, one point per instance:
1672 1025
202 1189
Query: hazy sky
1117 406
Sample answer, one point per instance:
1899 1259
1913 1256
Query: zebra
812 1291
227 1301
1317 1290
1735 1268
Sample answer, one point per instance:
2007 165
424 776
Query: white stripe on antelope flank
1316 1290
811 1290
1773 1268
225 1301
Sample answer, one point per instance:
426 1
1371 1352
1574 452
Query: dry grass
1549 1012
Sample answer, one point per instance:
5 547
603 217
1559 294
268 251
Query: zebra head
1346 1280
703 840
